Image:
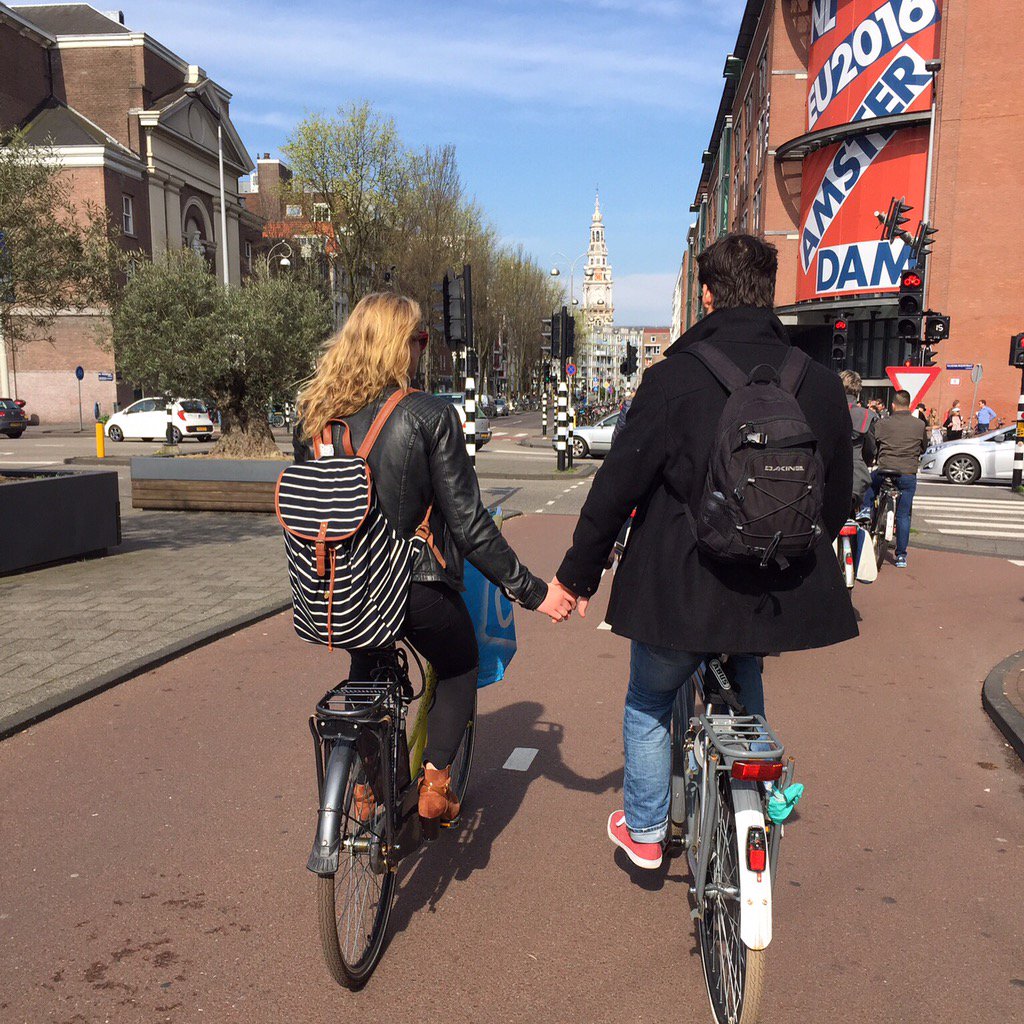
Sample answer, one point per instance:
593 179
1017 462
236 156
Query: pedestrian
424 481
984 417
954 422
672 598
920 412
934 426
902 439
862 422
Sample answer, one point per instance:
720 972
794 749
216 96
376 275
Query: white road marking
550 503
520 759
1017 535
522 435
604 625
955 521
979 503
35 462
1014 561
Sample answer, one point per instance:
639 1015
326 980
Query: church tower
598 307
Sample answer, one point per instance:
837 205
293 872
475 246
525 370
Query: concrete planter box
53 515
221 485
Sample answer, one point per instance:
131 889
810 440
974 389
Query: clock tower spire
598 308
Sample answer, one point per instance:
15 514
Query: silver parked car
972 459
595 439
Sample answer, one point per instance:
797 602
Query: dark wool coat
666 592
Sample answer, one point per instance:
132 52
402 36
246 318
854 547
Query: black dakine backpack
765 486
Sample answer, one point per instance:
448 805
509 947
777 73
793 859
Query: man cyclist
902 439
675 603
862 422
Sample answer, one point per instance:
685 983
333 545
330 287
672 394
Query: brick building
825 115
135 127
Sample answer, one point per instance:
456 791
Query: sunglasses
421 337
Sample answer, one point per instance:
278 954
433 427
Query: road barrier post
101 450
563 424
1018 452
544 410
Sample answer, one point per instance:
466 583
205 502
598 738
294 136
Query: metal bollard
101 442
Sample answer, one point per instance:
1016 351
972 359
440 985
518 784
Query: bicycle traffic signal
911 301
569 333
840 342
1017 351
928 355
936 327
893 221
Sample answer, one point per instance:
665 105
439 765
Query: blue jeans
655 676
908 488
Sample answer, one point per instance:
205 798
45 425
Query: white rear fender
755 886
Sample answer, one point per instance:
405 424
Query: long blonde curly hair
367 355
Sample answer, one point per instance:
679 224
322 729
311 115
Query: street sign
106 376
79 373
959 366
976 372
913 379
570 369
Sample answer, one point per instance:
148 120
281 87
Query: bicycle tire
351 959
878 533
722 952
462 762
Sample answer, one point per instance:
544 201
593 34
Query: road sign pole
560 443
1018 452
976 374
81 422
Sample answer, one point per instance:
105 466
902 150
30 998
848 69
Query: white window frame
758 197
128 215
293 211
321 208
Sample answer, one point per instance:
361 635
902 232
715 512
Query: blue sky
543 101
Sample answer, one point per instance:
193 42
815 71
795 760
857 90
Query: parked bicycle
368 774
883 519
730 829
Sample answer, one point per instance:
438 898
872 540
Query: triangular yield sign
914 379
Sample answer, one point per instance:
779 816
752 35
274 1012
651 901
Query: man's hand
559 603
580 604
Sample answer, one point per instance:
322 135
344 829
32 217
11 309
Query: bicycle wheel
733 973
879 532
353 906
462 763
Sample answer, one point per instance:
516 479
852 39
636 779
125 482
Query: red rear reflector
757 849
757 771
848 531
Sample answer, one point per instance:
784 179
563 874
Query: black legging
439 627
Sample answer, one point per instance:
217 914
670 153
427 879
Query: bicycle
719 817
883 522
844 547
368 819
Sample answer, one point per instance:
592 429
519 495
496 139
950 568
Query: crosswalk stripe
1018 535
957 521
1009 506
1014 561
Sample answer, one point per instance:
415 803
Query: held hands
560 602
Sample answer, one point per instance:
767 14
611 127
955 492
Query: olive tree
177 331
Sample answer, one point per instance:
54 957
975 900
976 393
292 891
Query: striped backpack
349 569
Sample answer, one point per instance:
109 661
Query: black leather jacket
420 460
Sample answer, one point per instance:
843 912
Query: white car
972 459
147 420
595 439
483 424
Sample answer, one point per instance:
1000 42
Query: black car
13 420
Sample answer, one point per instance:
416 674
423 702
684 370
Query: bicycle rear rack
733 737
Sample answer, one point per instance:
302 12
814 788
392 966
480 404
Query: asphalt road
155 837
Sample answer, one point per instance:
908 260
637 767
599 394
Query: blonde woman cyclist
418 462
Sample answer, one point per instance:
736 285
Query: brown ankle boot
438 805
364 803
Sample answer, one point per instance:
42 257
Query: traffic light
936 327
628 365
450 312
569 333
893 221
927 356
840 342
921 246
1017 351
545 330
556 337
911 300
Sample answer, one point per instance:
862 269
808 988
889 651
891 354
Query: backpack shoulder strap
721 367
793 369
378 424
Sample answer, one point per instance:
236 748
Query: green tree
54 255
355 166
178 332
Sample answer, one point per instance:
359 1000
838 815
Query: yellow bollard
100 442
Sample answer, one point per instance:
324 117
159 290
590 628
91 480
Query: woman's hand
558 604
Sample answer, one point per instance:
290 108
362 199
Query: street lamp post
285 261
216 115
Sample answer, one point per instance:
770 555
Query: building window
757 210
748 107
762 71
293 210
254 182
743 223
248 256
746 168
321 212
762 138
127 215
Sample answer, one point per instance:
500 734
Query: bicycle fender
755 887
324 858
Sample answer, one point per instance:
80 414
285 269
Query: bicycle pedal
430 828
454 823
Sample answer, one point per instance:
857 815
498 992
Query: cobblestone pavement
175 581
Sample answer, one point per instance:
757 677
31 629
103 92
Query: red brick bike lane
154 837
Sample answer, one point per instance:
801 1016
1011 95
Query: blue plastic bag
495 625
